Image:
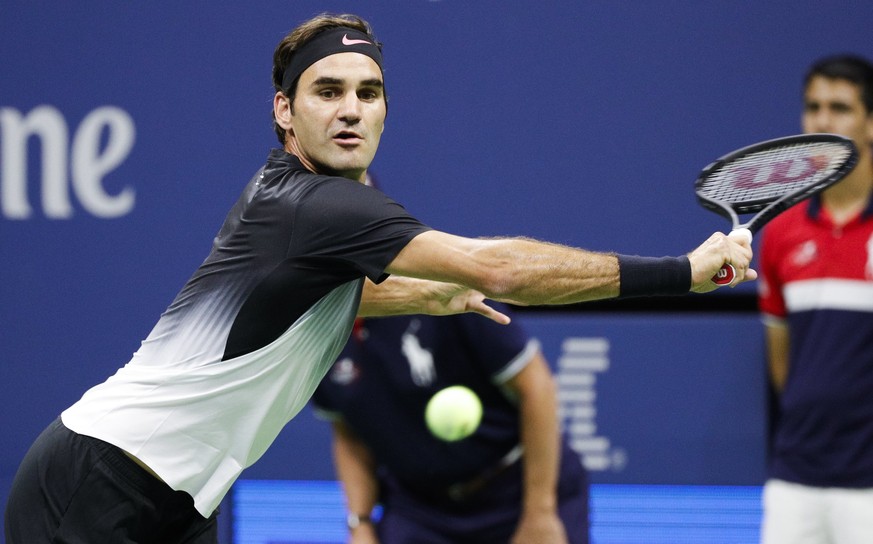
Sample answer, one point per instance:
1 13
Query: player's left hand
401 295
450 298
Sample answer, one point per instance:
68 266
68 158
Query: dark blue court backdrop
128 128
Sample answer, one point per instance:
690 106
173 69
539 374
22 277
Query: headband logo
347 41
324 44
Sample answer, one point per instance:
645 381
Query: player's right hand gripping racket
769 177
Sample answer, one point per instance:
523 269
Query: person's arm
356 470
399 295
540 438
533 272
777 338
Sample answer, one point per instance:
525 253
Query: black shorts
77 489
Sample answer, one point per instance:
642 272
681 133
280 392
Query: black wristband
650 276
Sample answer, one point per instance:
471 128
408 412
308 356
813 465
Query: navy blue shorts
489 515
75 489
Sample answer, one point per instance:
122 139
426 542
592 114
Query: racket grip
728 273
725 275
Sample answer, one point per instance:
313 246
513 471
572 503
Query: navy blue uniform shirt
392 366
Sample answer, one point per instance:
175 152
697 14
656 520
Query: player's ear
282 110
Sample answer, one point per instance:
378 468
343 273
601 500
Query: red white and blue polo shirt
817 279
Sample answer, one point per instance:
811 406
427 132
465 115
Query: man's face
337 117
835 106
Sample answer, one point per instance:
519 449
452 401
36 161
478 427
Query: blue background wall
579 122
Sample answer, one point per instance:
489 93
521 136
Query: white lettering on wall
90 157
581 360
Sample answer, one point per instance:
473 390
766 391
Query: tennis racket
769 177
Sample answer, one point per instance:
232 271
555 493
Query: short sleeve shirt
245 343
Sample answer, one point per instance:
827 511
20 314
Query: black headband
330 42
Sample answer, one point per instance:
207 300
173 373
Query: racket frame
768 208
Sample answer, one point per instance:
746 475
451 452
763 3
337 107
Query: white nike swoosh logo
347 41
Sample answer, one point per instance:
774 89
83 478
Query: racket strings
768 174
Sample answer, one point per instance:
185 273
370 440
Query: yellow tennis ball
453 413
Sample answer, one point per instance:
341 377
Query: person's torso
391 368
825 277
244 344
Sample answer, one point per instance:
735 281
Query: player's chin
351 158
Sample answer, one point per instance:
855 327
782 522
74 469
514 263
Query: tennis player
147 455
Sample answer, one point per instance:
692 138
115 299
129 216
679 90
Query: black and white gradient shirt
245 343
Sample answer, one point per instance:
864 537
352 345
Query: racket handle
728 273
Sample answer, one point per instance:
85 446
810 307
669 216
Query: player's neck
848 198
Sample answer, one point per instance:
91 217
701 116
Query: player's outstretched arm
539 273
518 269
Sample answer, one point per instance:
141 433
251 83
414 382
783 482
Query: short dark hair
298 37
852 68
